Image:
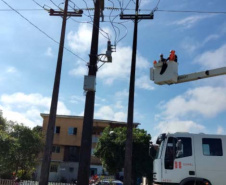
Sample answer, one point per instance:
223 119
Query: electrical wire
37 3
192 11
88 10
41 30
91 22
127 6
7 10
121 5
146 10
89 16
58 6
125 33
111 21
156 7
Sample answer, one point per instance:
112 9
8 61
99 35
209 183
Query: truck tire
195 181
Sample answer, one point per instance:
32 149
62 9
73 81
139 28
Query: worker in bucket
164 64
172 56
162 59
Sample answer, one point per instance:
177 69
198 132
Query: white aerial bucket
169 76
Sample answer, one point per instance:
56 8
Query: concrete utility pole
129 137
86 143
53 109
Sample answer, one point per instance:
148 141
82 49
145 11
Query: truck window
185 149
177 148
212 147
170 153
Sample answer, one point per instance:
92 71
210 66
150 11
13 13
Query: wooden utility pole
129 136
86 143
53 109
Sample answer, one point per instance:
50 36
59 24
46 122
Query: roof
81 117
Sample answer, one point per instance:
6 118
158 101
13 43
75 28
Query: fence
11 182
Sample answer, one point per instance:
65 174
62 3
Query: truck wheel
194 183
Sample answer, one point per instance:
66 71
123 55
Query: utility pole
53 109
129 136
86 143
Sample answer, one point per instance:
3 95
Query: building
67 143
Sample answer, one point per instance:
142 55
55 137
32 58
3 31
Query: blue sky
28 62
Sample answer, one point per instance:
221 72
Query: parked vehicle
188 159
110 182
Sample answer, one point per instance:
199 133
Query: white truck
190 159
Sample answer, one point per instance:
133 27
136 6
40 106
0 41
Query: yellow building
67 143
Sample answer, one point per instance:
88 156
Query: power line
191 11
117 9
41 30
9 10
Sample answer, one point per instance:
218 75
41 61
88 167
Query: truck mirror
152 151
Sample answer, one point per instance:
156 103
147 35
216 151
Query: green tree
20 147
2 122
111 151
6 144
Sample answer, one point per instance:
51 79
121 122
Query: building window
71 169
53 167
57 130
72 131
56 149
71 153
212 147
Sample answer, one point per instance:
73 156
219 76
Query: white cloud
205 101
144 3
119 105
178 114
119 69
80 41
105 112
122 94
210 38
191 45
179 126
212 59
190 21
144 82
120 116
19 117
108 112
220 130
77 99
49 52
11 70
79 70
26 108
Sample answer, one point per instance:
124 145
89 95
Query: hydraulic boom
170 76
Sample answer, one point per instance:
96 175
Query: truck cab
188 159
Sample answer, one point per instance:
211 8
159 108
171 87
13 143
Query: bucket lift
170 76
